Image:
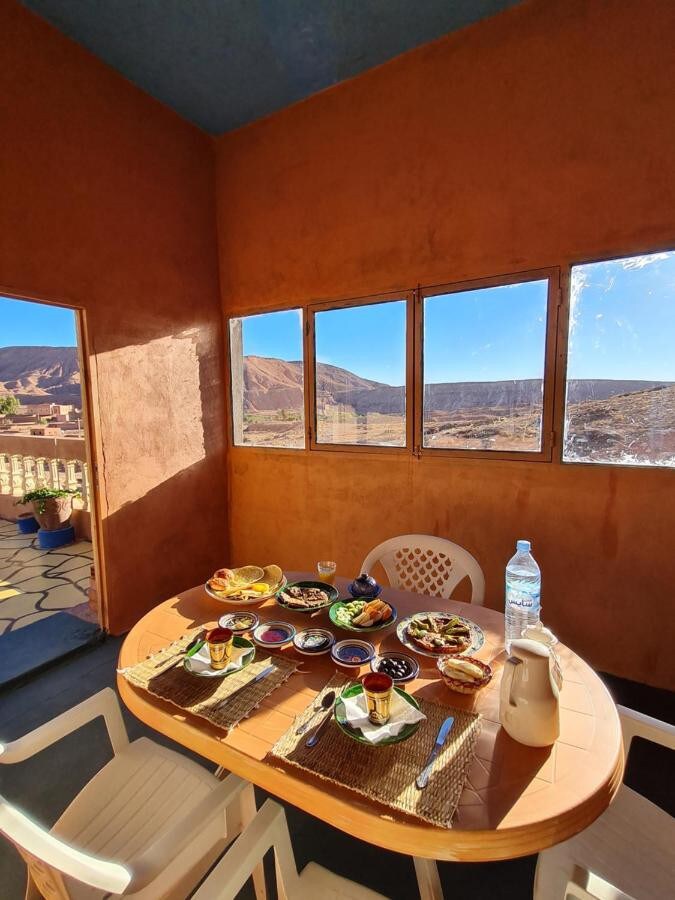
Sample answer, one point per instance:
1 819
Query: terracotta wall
108 203
538 137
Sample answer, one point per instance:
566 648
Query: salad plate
473 642
355 733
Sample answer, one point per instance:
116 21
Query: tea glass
326 570
220 642
378 689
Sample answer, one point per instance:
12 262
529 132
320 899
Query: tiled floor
37 583
44 785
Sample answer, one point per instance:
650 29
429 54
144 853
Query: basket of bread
464 674
247 584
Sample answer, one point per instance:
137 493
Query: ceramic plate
245 620
355 733
200 662
246 601
412 666
352 652
329 589
357 629
283 633
313 641
477 636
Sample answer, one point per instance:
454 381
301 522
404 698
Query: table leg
428 879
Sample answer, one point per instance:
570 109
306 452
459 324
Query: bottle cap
523 546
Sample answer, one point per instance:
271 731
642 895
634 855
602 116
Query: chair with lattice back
424 564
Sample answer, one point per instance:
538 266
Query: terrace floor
44 785
36 584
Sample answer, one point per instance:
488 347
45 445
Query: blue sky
23 323
623 319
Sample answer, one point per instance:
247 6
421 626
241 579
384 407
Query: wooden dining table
517 800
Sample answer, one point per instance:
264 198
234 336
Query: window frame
549 436
229 398
562 361
312 309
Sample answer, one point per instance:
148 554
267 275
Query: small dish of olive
399 666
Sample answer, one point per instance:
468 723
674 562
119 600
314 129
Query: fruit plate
199 663
245 601
358 629
356 734
332 592
476 635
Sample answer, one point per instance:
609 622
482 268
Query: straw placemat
202 696
387 773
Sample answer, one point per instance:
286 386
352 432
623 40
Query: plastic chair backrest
424 564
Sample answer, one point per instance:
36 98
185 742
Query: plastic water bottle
523 590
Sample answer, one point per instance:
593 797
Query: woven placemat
203 696
387 773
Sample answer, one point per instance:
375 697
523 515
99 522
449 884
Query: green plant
41 495
9 405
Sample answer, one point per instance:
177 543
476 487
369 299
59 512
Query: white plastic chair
149 824
628 853
269 829
425 564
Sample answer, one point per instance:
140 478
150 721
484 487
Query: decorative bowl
352 653
464 687
273 634
239 622
411 666
313 641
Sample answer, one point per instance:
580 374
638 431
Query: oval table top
517 800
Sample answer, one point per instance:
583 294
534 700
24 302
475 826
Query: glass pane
621 366
268 390
360 374
484 354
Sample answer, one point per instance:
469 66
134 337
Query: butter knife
423 778
259 677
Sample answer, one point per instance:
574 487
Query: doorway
50 601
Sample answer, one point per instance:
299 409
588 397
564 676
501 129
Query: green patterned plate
355 733
199 662
336 607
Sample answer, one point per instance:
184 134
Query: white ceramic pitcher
529 707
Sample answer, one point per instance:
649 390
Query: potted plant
52 507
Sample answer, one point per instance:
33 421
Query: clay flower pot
53 512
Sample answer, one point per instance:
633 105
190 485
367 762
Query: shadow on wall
162 416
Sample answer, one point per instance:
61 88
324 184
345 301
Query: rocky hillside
40 374
273 384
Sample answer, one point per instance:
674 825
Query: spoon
326 703
315 734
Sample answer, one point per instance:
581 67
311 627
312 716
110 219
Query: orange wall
538 137
107 202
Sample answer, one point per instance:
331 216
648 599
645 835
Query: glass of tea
378 689
220 642
326 570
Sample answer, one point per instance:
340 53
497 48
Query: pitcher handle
511 673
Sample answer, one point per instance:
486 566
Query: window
267 379
620 393
483 369
360 374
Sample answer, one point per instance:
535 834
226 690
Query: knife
423 778
259 677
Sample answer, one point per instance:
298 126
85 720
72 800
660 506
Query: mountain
273 384
41 374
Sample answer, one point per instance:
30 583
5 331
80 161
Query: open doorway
49 601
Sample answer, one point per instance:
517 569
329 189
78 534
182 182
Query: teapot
364 586
529 705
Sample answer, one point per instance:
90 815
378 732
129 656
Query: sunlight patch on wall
151 410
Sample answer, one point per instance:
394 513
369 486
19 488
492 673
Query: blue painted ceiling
224 63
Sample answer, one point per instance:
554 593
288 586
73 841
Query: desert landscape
41 374
616 421
619 421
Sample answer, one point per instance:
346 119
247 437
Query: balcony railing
22 473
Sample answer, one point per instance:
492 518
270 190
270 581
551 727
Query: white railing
20 474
